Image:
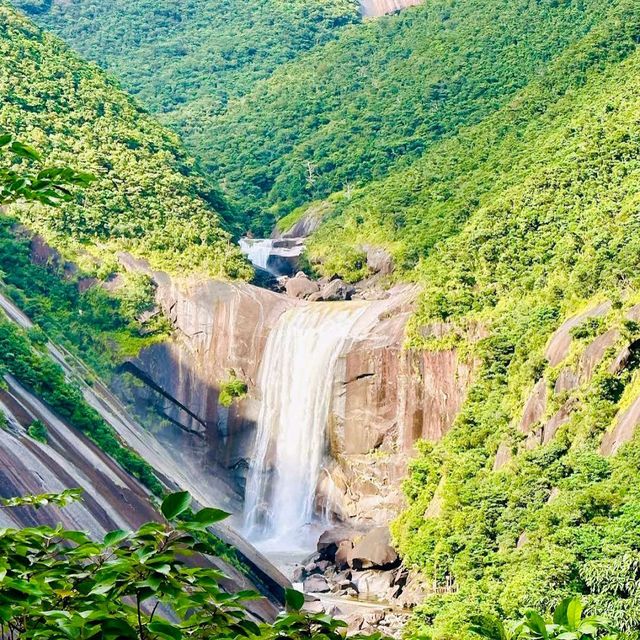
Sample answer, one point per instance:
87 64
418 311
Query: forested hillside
148 198
517 503
493 148
188 61
375 97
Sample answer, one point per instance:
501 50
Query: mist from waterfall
296 380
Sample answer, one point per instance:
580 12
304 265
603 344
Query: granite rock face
377 8
384 397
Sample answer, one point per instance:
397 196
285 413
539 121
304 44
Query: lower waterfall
296 381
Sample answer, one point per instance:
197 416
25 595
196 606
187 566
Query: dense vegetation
554 232
374 98
137 585
148 197
493 149
189 61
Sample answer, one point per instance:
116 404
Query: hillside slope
533 493
375 96
149 197
186 62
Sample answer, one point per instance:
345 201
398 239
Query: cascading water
257 250
296 380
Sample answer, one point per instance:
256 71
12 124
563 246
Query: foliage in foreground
150 584
566 623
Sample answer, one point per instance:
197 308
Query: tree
22 178
140 585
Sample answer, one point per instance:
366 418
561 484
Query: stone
343 554
301 286
310 568
337 290
316 584
314 606
558 347
323 565
373 584
374 550
298 574
374 618
503 456
535 407
625 426
330 540
378 8
379 261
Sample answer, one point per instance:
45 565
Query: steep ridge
112 498
368 98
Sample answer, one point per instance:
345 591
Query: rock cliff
112 499
383 396
377 8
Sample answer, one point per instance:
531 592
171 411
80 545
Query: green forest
491 147
148 198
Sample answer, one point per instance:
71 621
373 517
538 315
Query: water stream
258 251
296 381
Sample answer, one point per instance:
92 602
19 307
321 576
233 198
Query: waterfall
296 381
257 250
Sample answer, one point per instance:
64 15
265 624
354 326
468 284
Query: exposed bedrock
377 8
112 498
383 397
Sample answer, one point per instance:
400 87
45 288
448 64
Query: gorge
382 307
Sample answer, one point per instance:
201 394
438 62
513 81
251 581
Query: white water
257 250
296 381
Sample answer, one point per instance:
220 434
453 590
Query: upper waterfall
257 250
296 380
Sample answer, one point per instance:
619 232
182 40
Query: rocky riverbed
358 577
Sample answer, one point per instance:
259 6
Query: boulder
373 585
330 540
343 554
323 565
298 574
337 290
379 260
314 607
374 551
301 286
316 584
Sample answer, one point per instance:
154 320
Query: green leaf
574 613
165 630
115 537
24 151
560 614
536 623
294 599
5 139
207 517
175 504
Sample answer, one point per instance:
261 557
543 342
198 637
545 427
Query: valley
362 275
